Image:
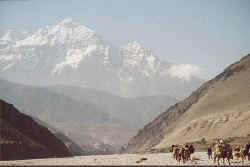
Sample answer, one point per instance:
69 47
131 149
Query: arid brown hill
22 138
219 108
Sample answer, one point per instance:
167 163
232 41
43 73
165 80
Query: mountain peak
136 49
133 45
68 22
242 64
245 58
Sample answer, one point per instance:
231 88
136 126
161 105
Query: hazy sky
207 33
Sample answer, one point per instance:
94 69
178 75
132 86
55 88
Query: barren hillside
219 108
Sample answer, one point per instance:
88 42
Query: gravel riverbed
120 159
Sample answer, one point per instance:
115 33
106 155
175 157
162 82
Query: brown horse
238 153
191 150
172 150
246 152
185 154
224 152
178 154
182 152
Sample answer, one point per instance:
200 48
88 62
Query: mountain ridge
183 117
72 54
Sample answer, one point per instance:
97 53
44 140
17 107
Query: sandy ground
116 159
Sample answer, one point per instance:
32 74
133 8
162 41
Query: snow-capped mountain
66 53
69 53
143 73
140 59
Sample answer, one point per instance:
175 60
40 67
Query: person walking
209 152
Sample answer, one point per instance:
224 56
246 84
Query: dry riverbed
119 159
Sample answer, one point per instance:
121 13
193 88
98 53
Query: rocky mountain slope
22 138
219 108
72 54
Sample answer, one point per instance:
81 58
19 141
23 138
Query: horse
238 153
246 152
177 154
172 150
191 150
185 154
182 153
224 152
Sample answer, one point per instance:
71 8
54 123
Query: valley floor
117 159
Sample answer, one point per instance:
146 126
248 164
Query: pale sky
209 34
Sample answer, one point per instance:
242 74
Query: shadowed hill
22 138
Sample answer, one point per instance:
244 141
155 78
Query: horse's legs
215 156
228 159
210 157
223 160
238 156
242 157
183 158
178 157
218 159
